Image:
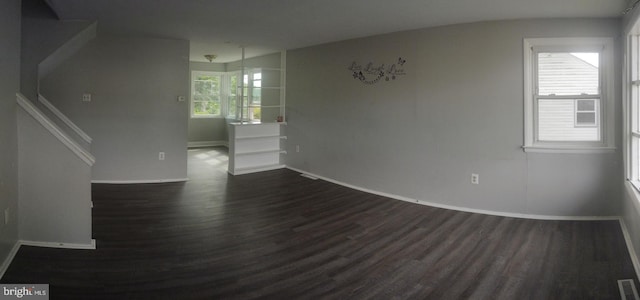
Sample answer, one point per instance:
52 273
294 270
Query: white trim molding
90 246
460 208
632 251
16 247
65 119
55 130
243 171
203 144
140 181
576 150
7 261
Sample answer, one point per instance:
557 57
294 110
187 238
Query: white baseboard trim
12 254
7 261
90 246
208 144
140 181
632 251
242 171
460 208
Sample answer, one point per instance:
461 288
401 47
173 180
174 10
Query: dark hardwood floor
282 236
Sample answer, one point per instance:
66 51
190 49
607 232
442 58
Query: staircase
55 163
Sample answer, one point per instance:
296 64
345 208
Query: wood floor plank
275 235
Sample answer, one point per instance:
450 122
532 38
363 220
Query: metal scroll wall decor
371 74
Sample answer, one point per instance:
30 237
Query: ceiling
266 26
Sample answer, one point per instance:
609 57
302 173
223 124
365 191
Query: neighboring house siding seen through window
567 104
560 75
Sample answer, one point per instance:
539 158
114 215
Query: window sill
566 149
633 187
207 117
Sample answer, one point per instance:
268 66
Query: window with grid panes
567 102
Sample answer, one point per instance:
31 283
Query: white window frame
606 117
194 75
577 111
632 110
227 95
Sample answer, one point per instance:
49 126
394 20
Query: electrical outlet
160 155
475 178
6 216
297 148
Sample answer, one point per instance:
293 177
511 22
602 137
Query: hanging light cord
630 8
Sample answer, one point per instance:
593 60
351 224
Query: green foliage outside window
233 95
206 97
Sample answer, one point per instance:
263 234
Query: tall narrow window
232 98
632 86
567 105
255 108
206 94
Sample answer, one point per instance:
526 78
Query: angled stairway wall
54 183
64 123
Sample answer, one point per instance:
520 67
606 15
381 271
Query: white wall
265 61
53 208
9 85
42 34
631 217
134 113
458 110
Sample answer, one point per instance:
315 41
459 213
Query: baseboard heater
627 290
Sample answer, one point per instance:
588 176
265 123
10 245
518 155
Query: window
218 94
586 113
568 106
232 98
252 82
632 110
206 90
